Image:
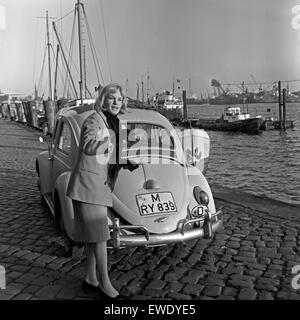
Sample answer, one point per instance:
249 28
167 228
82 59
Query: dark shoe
104 297
89 288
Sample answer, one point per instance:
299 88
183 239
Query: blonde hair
105 91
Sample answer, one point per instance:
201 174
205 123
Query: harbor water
266 165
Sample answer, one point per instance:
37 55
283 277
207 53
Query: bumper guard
206 226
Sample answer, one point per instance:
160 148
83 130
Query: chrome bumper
207 225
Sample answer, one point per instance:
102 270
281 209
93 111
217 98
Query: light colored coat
88 181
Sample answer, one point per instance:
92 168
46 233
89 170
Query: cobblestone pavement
251 258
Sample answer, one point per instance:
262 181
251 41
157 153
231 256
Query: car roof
77 115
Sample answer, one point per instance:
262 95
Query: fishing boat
231 120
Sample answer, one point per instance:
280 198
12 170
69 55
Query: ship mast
137 91
173 86
126 87
143 100
148 80
84 70
49 63
55 75
80 52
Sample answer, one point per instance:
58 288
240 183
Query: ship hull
175 114
252 125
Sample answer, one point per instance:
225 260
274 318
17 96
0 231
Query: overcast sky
174 39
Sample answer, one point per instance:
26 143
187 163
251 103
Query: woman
91 183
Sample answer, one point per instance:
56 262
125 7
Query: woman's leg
101 261
91 273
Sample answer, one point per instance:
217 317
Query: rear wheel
59 222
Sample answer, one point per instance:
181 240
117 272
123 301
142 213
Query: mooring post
184 104
279 102
283 109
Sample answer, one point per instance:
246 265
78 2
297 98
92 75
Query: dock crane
259 87
218 89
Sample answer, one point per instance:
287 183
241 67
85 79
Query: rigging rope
64 16
35 51
63 48
93 49
62 76
43 64
42 70
70 56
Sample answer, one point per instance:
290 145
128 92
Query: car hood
152 179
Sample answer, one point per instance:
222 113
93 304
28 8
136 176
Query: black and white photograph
177 122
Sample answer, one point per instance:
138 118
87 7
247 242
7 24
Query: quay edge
269 206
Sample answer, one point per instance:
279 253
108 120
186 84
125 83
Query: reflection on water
267 164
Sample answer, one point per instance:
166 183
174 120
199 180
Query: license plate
154 203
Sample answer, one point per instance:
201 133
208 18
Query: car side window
64 141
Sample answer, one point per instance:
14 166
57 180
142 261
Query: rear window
146 139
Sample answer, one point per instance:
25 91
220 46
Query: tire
68 242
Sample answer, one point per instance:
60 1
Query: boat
269 123
166 100
231 120
168 105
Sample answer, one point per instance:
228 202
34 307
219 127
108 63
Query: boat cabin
166 100
232 114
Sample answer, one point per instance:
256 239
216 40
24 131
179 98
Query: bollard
2 278
5 111
18 106
13 112
27 113
20 111
33 114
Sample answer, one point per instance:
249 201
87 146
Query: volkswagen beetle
166 199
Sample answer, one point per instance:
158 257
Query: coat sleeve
95 137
